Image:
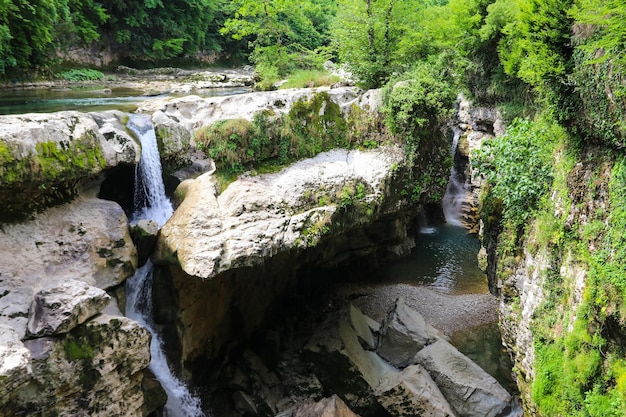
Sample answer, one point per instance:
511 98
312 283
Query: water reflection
445 259
48 100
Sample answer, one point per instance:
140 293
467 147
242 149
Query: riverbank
149 82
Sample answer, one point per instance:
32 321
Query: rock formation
62 353
438 380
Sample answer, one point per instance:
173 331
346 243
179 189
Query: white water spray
456 192
152 203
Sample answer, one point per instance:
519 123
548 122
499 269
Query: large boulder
404 333
95 369
257 217
59 309
412 392
470 390
46 159
87 240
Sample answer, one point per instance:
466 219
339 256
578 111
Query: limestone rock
193 112
173 139
412 392
144 234
96 370
469 389
257 217
118 146
59 309
326 407
404 333
15 367
86 240
47 158
361 324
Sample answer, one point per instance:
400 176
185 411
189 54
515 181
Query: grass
309 79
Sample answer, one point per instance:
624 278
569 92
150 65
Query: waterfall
456 191
152 203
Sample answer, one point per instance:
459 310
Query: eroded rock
45 159
15 366
95 369
59 309
257 217
87 240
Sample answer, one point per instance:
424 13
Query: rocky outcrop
46 159
176 120
87 240
95 369
262 230
59 309
437 381
257 217
60 354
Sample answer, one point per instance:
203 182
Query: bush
81 75
518 167
310 78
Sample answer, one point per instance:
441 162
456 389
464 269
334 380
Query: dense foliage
139 30
560 64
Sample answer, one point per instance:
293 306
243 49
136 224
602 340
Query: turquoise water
444 259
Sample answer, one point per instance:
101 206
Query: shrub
518 166
81 75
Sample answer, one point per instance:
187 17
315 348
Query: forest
556 69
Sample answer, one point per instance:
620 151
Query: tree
281 37
365 34
27 32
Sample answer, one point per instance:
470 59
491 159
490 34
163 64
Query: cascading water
456 192
151 203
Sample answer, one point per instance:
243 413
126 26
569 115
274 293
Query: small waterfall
456 192
150 200
151 203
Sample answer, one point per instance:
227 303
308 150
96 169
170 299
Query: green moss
272 140
76 350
